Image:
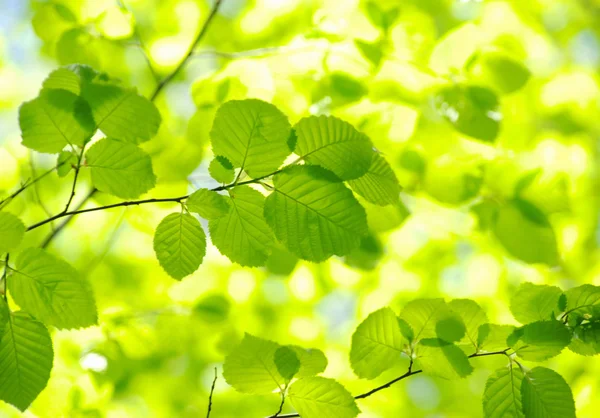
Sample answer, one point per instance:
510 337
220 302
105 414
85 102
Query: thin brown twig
210 397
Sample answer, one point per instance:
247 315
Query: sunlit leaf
208 204
545 394
318 397
12 231
533 302
502 394
379 184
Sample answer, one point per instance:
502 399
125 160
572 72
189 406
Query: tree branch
408 373
80 157
212 390
190 51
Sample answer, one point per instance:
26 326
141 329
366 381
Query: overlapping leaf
545 394
379 184
502 394
535 302
208 204
12 230
319 397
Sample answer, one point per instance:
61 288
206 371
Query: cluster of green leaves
439 338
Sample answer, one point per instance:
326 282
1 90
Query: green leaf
499 71
313 214
493 337
55 119
545 394
319 397
443 359
212 308
377 344
472 316
379 185
52 291
221 169
586 339
312 361
422 316
243 234
12 231
583 301
65 163
251 368
63 79
335 145
120 168
287 362
450 329
179 244
208 204
252 135
502 395
472 110
541 340
25 360
526 240
533 302
77 45
370 50
121 113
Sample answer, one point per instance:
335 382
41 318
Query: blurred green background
398 70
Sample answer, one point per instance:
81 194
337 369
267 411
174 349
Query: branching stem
212 390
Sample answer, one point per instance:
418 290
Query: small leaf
25 360
252 135
318 397
370 50
377 344
535 302
287 362
379 185
65 163
493 337
499 70
502 395
312 361
545 394
450 329
582 300
208 204
221 169
121 113
55 119
442 359
313 214
422 316
179 244
12 231
250 367
120 168
212 308
586 339
52 290
335 145
472 316
243 234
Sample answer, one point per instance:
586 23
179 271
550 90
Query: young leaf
535 302
120 168
65 162
121 113
54 119
379 185
252 135
523 238
472 316
313 214
251 368
12 231
545 394
493 337
335 145
312 361
584 299
25 359
422 316
221 169
287 362
319 397
52 290
243 234
179 244
208 204
377 344
502 395
442 359
541 340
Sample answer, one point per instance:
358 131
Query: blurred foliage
486 110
